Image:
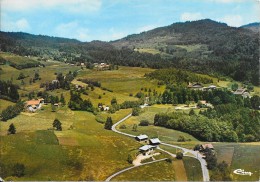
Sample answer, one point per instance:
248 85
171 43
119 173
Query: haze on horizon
106 20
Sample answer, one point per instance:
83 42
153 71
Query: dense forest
226 123
9 91
216 45
169 76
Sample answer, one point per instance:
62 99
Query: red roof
33 102
208 145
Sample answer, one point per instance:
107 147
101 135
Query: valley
84 150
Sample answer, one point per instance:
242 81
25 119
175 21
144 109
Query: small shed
155 141
141 138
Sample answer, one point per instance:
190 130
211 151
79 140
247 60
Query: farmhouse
206 146
33 105
101 66
195 86
154 141
204 104
211 87
141 138
147 149
243 92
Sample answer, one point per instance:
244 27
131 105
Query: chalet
195 86
141 138
56 104
54 81
154 141
206 146
101 66
243 92
33 105
211 87
147 149
204 104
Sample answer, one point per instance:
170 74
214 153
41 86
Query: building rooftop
208 145
33 102
146 147
240 91
155 140
142 137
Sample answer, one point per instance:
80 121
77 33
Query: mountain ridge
202 46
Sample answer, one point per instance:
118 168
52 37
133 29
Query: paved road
119 172
195 154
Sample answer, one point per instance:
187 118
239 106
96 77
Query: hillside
202 46
255 27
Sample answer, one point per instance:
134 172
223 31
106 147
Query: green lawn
4 104
245 156
193 169
161 171
166 135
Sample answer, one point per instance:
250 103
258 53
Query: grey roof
142 137
146 147
155 140
212 86
240 91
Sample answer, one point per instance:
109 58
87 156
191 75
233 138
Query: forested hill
203 46
255 27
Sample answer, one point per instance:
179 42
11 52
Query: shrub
18 170
179 155
144 123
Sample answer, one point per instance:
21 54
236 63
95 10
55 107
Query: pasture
245 156
151 172
88 151
166 135
4 104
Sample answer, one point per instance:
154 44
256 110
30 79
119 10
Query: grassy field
166 135
245 156
193 169
17 60
151 172
97 152
4 104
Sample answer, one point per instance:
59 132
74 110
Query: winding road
195 154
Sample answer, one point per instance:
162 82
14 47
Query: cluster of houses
101 66
151 144
199 86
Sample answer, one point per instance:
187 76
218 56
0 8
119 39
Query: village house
101 66
195 86
203 147
211 87
204 104
141 138
33 105
147 149
243 92
154 141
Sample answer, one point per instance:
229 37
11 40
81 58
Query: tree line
9 91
